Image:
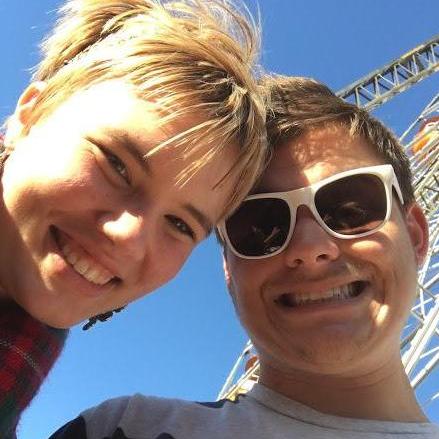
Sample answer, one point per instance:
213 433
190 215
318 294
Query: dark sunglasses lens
352 205
259 227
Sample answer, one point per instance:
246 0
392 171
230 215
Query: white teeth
81 266
71 257
339 293
85 267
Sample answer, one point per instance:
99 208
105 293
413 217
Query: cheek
245 284
390 257
27 165
389 250
163 264
35 179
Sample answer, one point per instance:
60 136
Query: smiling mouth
80 261
338 294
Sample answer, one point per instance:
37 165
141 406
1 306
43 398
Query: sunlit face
88 225
327 305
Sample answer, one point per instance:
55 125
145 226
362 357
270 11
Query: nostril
323 258
293 263
116 280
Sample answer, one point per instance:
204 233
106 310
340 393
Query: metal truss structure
382 84
420 341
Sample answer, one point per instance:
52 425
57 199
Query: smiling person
142 128
321 263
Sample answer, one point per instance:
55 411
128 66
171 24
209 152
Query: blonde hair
190 56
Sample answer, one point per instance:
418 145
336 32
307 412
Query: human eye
181 226
117 164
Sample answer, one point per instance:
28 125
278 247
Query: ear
23 111
418 230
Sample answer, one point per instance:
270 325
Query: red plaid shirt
28 349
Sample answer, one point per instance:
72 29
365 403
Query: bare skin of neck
382 395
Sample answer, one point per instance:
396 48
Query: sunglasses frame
306 197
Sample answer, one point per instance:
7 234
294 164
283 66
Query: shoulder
145 416
96 422
144 410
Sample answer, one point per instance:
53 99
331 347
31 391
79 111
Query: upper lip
96 254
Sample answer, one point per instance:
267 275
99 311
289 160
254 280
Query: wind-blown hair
296 105
192 57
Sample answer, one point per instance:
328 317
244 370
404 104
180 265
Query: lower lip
70 276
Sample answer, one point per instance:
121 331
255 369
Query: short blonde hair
192 56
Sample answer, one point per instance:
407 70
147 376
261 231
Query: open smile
338 294
81 261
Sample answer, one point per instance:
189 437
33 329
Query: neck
382 395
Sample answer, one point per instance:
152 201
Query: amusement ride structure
420 341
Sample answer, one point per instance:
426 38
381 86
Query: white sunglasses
348 205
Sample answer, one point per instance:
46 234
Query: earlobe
418 230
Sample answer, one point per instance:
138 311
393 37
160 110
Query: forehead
315 155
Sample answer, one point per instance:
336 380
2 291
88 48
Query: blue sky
182 340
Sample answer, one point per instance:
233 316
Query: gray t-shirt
261 414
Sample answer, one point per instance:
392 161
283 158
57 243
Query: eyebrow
125 141
200 217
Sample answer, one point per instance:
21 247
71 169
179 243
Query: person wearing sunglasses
321 262
142 127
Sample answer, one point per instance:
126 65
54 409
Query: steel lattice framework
381 85
420 341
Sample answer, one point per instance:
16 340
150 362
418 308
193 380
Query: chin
53 316
55 321
325 356
59 324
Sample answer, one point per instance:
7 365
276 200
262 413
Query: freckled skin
56 176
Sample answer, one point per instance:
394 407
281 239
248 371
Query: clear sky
182 340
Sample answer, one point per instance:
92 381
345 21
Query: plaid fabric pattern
28 350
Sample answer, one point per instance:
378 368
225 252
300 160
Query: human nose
310 246
128 232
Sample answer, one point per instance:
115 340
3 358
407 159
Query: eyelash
117 164
181 226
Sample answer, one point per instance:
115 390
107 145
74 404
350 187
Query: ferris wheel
420 340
